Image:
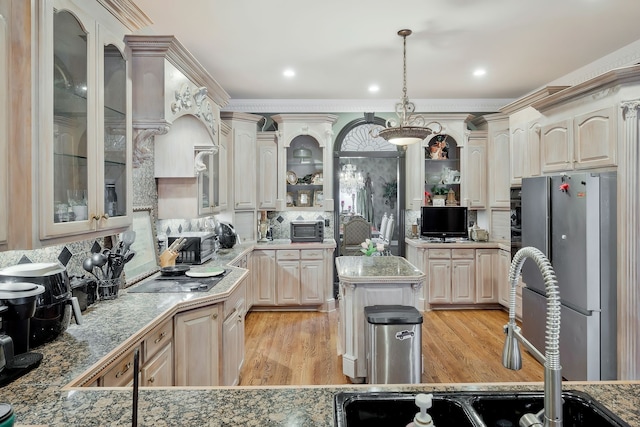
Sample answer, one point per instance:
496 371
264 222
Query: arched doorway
381 166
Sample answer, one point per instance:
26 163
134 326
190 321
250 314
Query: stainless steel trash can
394 344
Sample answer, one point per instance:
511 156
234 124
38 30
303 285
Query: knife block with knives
169 255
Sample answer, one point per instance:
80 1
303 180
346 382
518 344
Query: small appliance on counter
307 231
226 235
198 248
17 307
53 307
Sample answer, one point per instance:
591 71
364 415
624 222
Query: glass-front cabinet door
208 183
86 132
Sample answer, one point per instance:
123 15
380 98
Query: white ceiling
340 47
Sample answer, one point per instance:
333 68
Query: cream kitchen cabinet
263 277
233 335
158 371
223 167
299 277
451 278
120 372
585 141
267 158
475 171
487 276
504 262
85 132
243 158
525 151
157 356
498 157
198 336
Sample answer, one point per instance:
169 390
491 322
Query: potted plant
390 193
439 194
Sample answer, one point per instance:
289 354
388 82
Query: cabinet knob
105 216
152 379
95 217
162 335
214 316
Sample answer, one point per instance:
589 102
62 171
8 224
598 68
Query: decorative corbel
182 99
142 142
199 165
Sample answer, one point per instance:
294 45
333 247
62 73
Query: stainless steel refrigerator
571 218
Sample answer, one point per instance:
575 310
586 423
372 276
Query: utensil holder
108 288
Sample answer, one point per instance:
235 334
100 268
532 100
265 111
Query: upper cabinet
183 120
305 159
85 135
267 159
243 145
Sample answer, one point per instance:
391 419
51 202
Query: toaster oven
307 231
198 249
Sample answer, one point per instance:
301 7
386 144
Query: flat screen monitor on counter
443 222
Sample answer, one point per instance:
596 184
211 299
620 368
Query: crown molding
362 105
170 48
128 13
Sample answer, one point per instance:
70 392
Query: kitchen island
365 281
43 396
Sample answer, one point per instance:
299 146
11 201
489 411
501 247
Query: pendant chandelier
408 128
350 180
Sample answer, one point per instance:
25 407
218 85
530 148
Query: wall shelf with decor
304 174
442 169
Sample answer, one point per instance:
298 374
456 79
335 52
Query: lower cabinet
451 276
505 285
157 350
120 372
158 372
288 277
197 347
263 277
233 335
487 276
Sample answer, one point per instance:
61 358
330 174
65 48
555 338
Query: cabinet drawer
311 254
463 253
157 338
236 300
288 254
120 372
439 253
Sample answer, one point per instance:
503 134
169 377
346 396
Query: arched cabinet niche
305 161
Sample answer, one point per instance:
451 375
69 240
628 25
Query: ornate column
629 245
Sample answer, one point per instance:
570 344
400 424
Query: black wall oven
516 220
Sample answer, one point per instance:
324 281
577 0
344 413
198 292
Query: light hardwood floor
299 348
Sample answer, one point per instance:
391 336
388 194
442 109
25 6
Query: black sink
396 409
476 409
578 409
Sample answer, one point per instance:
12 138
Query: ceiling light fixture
409 128
289 72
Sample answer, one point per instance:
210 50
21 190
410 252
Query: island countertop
374 269
41 398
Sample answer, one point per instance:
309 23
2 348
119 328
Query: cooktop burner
177 284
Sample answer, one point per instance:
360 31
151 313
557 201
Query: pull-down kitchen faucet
511 357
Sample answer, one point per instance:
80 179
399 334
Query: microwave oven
307 231
198 249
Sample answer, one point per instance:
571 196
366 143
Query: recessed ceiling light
479 72
374 88
289 72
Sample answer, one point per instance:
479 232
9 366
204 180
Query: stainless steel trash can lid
392 315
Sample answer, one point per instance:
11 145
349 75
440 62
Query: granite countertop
458 244
375 269
40 397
